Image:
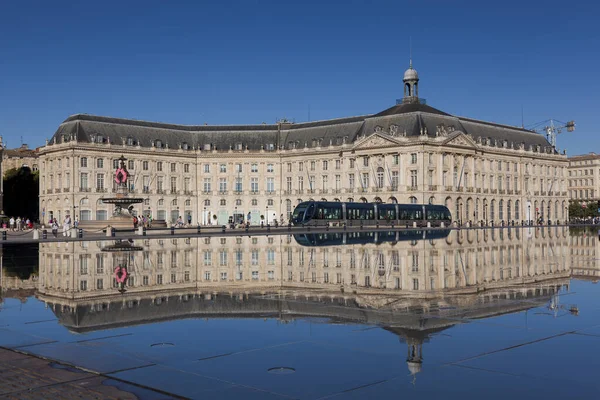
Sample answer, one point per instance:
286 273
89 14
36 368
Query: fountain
123 214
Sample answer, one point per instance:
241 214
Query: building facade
409 153
20 157
584 177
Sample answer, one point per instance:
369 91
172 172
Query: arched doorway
378 200
393 200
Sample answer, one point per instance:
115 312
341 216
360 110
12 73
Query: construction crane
551 128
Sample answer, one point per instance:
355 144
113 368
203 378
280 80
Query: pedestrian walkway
24 376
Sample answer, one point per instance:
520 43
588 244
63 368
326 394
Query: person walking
54 227
66 225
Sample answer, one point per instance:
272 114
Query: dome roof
411 74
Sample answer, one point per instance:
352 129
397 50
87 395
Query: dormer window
270 147
185 146
99 139
239 146
130 141
207 147
158 143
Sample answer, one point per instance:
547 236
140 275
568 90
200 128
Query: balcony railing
84 189
432 188
413 188
146 190
448 188
160 191
510 191
460 189
469 190
100 190
494 191
188 192
478 190
486 191
536 193
50 191
502 191
66 190
222 192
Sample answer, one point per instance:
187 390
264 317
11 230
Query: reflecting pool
481 312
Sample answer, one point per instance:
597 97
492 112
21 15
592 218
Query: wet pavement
494 313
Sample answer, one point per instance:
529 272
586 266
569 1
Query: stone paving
24 376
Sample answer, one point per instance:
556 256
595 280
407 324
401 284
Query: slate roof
411 118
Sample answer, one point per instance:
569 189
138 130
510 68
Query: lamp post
204 216
267 216
528 213
235 216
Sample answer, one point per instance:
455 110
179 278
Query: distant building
584 177
20 157
408 153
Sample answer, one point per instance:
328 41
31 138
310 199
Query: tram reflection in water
350 238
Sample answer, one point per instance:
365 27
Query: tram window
387 213
333 211
360 213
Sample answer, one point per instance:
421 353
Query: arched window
431 200
501 209
509 210
412 200
207 203
517 215
393 200
492 207
477 209
378 200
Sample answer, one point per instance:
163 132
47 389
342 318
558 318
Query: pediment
376 140
460 139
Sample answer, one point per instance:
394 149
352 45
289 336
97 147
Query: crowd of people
18 224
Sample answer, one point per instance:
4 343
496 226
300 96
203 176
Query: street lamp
267 216
204 216
528 214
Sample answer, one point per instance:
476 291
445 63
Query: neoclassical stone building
410 152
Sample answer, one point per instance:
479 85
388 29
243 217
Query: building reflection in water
413 286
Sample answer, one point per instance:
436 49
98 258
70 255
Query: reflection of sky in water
494 311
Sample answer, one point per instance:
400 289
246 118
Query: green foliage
21 193
576 209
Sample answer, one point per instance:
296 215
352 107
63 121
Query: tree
21 193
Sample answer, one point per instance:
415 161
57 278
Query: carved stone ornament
378 128
376 141
393 130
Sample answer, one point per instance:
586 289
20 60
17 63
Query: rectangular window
173 167
222 168
395 180
269 168
338 164
173 184
254 185
288 184
207 168
396 159
238 168
413 178
186 168
351 181
83 162
159 166
413 158
300 183
83 181
238 184
270 185
254 168
222 185
100 181
325 165
145 165
365 161
206 185
100 163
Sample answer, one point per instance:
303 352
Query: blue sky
232 62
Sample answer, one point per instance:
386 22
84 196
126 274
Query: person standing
66 225
189 219
19 223
12 223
